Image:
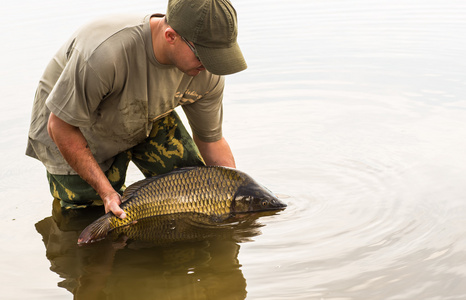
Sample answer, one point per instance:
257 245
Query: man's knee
74 192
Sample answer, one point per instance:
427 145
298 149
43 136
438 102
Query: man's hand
112 203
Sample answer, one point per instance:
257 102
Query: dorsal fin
134 187
129 192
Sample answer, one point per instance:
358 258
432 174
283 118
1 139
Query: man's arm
216 153
74 148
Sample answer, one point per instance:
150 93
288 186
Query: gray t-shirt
106 81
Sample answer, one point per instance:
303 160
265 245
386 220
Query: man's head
211 25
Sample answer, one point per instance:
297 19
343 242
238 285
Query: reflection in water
362 124
174 258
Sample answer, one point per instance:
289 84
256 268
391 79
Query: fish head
253 197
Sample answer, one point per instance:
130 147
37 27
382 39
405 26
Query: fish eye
264 203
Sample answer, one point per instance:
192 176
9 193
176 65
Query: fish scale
214 191
175 196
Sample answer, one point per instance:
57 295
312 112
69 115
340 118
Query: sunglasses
192 48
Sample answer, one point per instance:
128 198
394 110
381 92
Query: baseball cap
212 26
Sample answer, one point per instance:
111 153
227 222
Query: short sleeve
77 93
205 116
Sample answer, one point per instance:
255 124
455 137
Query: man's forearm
74 148
216 153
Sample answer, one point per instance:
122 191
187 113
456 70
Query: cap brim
222 61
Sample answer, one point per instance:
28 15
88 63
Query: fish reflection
183 227
174 257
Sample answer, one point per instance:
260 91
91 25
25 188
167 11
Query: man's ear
170 35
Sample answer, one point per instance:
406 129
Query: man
107 97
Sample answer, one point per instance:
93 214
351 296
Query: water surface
355 111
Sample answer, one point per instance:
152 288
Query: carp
217 192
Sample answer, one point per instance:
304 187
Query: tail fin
96 231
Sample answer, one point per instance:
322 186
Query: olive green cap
213 27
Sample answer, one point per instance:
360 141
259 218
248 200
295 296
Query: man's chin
194 72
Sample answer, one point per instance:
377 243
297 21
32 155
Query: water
354 111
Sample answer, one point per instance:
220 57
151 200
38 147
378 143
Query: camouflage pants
168 146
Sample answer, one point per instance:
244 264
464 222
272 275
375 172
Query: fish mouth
247 205
257 213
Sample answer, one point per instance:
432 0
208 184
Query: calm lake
354 112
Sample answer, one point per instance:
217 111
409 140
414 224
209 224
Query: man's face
185 59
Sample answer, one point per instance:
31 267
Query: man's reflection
173 257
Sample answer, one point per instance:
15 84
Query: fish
213 191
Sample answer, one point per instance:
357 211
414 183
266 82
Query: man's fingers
121 214
117 211
113 204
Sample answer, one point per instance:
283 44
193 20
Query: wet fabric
169 146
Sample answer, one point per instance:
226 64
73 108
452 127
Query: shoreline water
354 111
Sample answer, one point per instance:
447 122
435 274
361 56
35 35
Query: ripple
355 110
361 230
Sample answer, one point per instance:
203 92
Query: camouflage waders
168 146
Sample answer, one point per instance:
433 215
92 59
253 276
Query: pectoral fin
96 231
